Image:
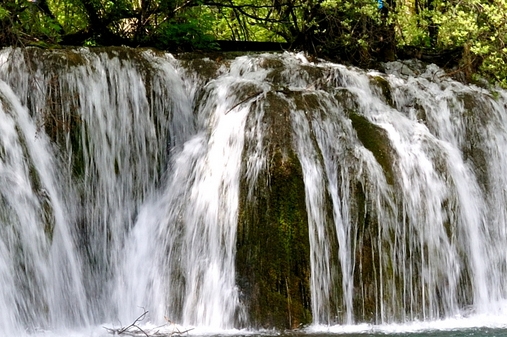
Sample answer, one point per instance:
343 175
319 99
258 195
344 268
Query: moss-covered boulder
477 113
380 86
273 267
367 260
375 139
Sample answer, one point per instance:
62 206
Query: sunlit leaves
356 28
479 26
4 13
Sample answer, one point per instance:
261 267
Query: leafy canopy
361 32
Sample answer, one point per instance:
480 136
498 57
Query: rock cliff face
255 191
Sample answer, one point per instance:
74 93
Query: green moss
309 102
272 259
312 73
273 249
245 91
366 261
281 75
375 139
204 67
347 99
382 88
477 114
54 59
420 112
2 152
271 63
275 75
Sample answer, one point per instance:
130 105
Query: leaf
4 13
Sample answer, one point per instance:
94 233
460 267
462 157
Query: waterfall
257 191
39 266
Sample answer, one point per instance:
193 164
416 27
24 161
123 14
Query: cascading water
133 181
39 266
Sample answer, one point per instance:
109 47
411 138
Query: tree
27 21
361 32
475 28
480 28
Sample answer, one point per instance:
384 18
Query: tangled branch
134 330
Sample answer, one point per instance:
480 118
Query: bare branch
134 330
138 319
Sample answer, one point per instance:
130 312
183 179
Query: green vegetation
468 35
273 248
376 140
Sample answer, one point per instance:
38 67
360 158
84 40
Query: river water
447 328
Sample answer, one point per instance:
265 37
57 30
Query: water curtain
256 191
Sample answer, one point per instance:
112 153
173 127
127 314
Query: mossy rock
312 73
207 64
477 114
380 86
282 75
122 53
405 102
347 99
375 139
206 68
271 63
420 113
309 102
273 250
54 59
476 106
245 91
367 261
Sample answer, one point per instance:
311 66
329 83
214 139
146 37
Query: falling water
122 176
39 266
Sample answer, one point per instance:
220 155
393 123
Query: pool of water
476 332
460 327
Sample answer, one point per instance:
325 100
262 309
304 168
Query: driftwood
134 330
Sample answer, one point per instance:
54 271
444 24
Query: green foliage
4 13
477 26
354 31
22 23
70 15
248 21
187 32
